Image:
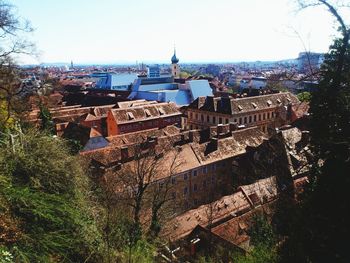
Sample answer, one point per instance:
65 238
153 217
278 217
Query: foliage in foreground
44 202
321 223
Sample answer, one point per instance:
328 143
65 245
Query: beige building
203 159
273 110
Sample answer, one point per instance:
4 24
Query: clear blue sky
108 31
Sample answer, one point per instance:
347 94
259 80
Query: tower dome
174 59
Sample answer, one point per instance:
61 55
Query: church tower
175 68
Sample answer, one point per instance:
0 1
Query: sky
126 31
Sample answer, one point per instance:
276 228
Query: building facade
263 111
203 160
138 117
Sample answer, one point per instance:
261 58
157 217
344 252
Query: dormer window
130 116
254 105
279 101
240 108
147 112
269 103
161 111
288 99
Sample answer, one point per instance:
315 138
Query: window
250 119
194 172
272 114
191 115
264 116
205 169
214 120
240 121
254 118
195 188
202 117
204 184
220 120
173 180
185 190
268 115
226 121
245 120
214 167
235 120
208 118
259 117
185 176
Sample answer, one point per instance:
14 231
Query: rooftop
235 106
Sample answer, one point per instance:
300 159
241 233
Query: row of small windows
255 118
241 120
206 169
196 187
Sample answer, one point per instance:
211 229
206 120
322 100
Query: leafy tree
261 232
12 43
46 119
304 96
321 223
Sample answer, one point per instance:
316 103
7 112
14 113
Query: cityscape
173 159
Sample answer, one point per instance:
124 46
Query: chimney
124 153
233 126
182 140
220 128
193 136
213 144
305 137
190 136
213 130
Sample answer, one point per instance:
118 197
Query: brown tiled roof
134 103
190 155
235 230
300 109
98 111
140 113
235 106
227 207
141 136
231 146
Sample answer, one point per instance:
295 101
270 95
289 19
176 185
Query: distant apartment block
309 61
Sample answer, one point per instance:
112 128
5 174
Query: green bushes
45 193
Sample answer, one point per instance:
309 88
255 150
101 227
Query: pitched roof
235 106
226 207
144 112
190 154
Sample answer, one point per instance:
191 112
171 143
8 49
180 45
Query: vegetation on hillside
321 222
